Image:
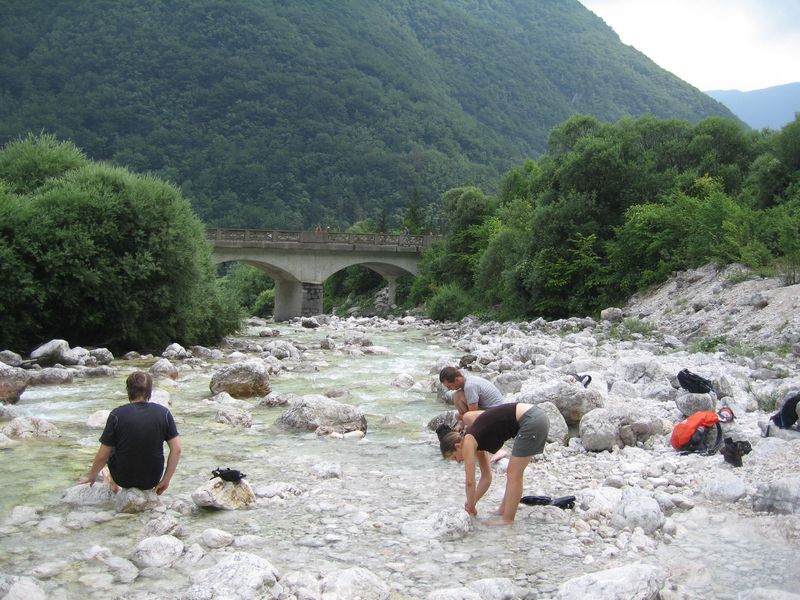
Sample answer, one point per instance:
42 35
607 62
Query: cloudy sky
713 44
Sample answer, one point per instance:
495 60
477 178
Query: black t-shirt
137 432
495 426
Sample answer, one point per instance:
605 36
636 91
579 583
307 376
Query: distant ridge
290 113
771 107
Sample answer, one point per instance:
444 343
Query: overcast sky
712 44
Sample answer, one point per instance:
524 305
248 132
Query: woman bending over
486 432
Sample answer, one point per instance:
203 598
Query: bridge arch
300 262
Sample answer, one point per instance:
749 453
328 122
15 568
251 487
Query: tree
112 258
415 213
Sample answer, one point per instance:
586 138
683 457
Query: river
393 476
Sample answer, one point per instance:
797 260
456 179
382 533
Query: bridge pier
391 287
288 299
296 299
312 299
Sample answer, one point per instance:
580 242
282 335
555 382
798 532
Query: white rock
237 576
216 538
630 582
354 583
159 551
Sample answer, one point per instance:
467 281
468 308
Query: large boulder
175 350
103 356
323 415
355 582
84 494
632 582
158 551
134 500
7 413
446 418
242 380
13 587
448 524
782 496
23 428
605 428
282 350
51 376
13 382
637 509
689 403
226 495
572 399
163 368
238 576
50 353
236 417
559 430
12 359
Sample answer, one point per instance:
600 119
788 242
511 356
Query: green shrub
264 306
710 344
449 303
106 257
246 283
27 163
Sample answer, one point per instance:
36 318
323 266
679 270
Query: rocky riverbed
347 497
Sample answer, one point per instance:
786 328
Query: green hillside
286 113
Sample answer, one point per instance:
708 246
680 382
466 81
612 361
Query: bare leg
501 454
516 468
107 476
461 406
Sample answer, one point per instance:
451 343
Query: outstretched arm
469 449
486 475
100 460
172 463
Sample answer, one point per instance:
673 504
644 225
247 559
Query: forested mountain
771 107
286 113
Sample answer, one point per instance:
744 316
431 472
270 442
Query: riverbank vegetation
101 256
611 209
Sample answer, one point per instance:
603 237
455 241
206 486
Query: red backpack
690 435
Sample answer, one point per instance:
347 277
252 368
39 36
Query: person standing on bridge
469 392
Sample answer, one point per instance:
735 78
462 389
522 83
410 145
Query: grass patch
629 327
710 344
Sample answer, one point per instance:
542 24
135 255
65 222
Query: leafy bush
264 306
449 303
100 256
27 163
246 283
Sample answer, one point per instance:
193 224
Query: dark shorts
532 436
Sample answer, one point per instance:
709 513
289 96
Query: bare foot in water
501 454
498 521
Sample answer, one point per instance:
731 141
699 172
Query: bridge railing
257 236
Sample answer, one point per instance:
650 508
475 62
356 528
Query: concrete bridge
300 261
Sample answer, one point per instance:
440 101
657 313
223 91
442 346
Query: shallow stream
393 476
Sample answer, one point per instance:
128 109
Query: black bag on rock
787 415
693 383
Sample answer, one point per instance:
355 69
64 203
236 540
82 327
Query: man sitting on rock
132 443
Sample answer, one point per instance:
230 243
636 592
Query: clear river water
393 476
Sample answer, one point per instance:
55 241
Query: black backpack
787 415
693 383
228 474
